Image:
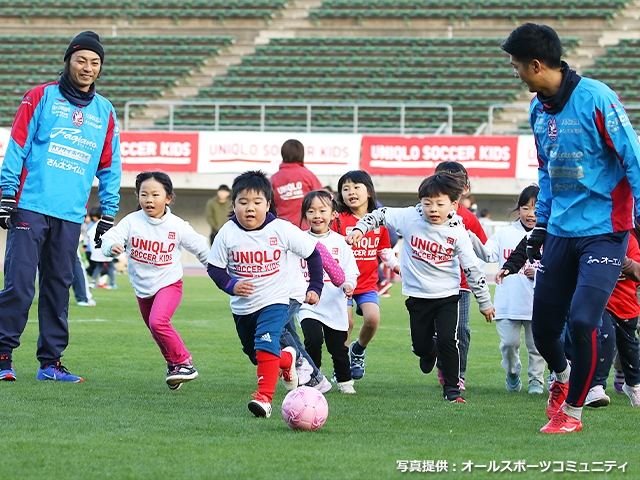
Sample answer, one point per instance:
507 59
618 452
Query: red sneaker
557 395
562 423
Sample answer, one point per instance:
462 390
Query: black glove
535 242
7 207
105 223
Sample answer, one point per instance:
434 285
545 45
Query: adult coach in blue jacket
589 174
63 136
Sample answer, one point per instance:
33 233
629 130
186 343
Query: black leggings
315 332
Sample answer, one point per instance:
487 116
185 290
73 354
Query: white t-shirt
261 257
154 247
431 254
297 284
514 297
332 309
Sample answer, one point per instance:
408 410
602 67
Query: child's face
153 198
251 209
528 213
355 195
319 216
436 209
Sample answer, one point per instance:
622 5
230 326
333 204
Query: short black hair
159 177
454 167
254 181
442 183
356 176
533 41
530 192
325 197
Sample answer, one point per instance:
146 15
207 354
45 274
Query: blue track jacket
55 151
588 163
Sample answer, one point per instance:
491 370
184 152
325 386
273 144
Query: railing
445 128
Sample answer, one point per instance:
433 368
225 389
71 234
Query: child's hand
116 250
312 298
396 270
530 273
348 291
489 314
243 288
500 276
354 237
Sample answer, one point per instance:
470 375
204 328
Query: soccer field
123 421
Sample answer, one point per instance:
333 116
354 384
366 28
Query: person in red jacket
292 182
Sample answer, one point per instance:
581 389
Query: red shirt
470 222
366 252
290 184
623 302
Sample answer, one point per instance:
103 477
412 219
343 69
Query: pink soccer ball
305 408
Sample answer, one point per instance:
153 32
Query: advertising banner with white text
418 156
167 151
235 152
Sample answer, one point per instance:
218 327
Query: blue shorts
366 297
261 330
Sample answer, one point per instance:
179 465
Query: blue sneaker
357 363
6 368
57 372
513 382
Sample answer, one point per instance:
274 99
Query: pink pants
157 312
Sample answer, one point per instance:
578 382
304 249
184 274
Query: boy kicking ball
248 260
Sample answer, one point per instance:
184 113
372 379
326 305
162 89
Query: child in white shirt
153 238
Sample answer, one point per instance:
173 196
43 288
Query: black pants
430 317
628 349
315 332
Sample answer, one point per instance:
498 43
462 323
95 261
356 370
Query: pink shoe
461 385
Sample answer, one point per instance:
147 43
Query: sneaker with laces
357 363
346 387
260 406
562 423
513 382
174 387
596 397
289 375
454 397
320 383
178 374
57 372
633 393
383 288
557 395
536 387
7 374
618 380
304 371
88 303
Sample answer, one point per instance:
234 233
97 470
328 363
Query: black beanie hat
87 40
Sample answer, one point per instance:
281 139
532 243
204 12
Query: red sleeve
472 223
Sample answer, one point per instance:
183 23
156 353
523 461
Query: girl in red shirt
356 197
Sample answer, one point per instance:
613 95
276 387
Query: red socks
269 366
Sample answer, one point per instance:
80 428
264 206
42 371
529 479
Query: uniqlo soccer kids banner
168 151
5 133
418 156
233 152
527 166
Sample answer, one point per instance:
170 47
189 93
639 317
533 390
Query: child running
514 296
328 321
356 197
248 260
435 245
153 239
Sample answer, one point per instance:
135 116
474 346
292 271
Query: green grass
123 422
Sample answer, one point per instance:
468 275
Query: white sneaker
323 385
289 375
596 397
259 406
304 371
346 387
88 303
633 393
